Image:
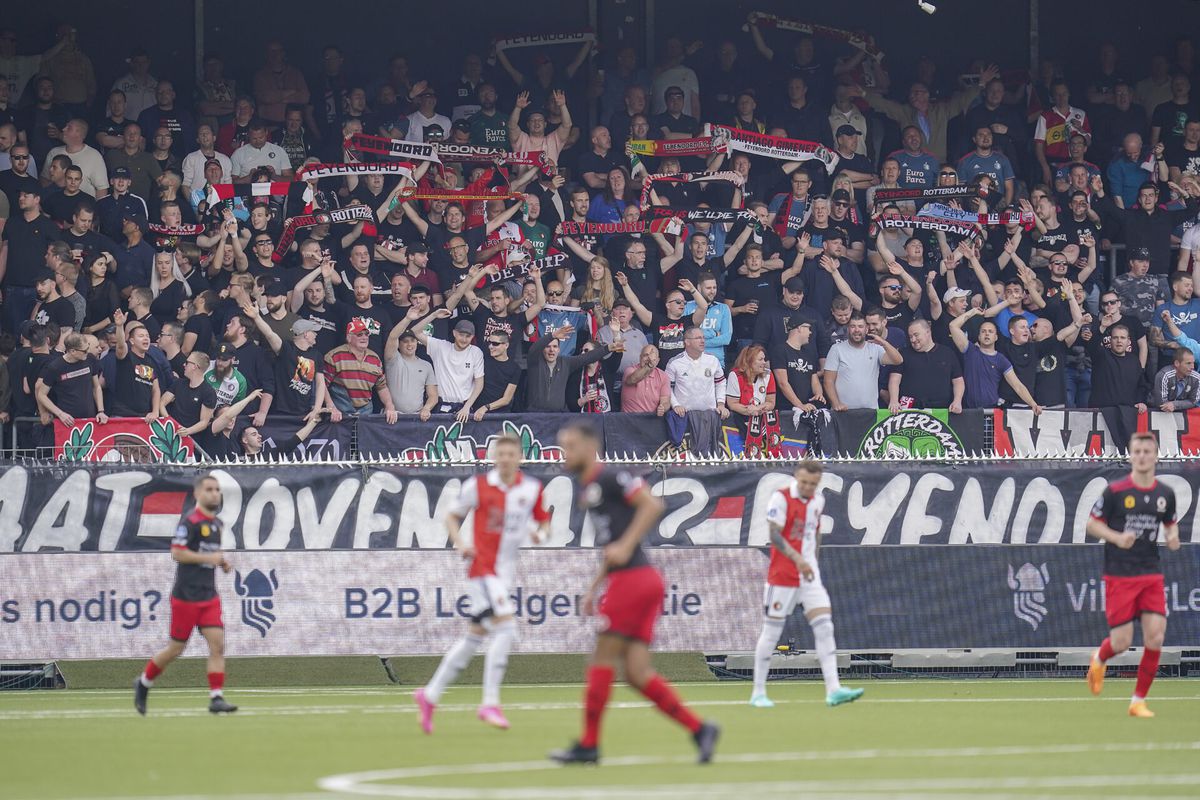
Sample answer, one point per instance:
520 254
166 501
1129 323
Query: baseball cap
540 60
622 302
356 325
120 172
794 284
208 162
673 91
43 274
417 247
848 130
408 334
955 292
304 326
840 194
429 92
1139 254
276 289
464 326
225 351
835 233
462 125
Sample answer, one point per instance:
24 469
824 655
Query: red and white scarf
777 147
699 146
961 191
469 152
346 214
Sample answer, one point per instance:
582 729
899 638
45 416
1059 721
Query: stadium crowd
177 257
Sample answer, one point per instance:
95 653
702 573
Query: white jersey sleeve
777 508
468 498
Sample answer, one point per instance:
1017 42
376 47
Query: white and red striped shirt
504 515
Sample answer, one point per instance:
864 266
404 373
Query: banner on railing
1076 432
116 605
313 507
329 441
129 439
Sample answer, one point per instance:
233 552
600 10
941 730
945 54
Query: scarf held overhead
961 191
821 31
337 215
381 145
924 223
776 147
686 177
943 212
699 146
315 172
541 39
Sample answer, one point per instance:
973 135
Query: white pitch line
403 707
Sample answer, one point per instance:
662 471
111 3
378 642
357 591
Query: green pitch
979 739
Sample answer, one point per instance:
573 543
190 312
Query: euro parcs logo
258 599
911 434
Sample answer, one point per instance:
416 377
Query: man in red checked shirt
622 511
1128 517
506 503
195 603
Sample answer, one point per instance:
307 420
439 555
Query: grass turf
903 739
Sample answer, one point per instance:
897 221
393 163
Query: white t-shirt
857 371
193 168
456 370
248 158
95 171
681 76
139 94
417 122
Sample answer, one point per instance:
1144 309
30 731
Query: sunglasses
895 287
555 294
19 158
492 343
1110 302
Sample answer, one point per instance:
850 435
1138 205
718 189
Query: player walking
622 511
793 578
195 603
506 502
1127 517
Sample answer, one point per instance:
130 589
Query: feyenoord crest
910 434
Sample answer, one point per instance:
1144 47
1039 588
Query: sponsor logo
258 599
453 444
1028 586
911 434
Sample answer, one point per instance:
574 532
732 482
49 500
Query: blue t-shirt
917 172
982 374
549 320
1186 317
1005 315
997 165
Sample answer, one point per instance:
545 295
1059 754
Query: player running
506 502
1127 517
195 603
793 578
622 511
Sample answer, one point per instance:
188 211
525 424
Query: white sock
772 629
495 661
454 662
146 681
212 693
822 628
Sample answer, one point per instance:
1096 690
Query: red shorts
1125 598
632 603
186 615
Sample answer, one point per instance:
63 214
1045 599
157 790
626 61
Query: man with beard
1022 354
51 306
300 389
376 320
795 364
986 371
68 387
930 377
495 317
488 126
1118 381
250 360
1053 351
26 237
312 300
227 382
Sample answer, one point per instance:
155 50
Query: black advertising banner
76 507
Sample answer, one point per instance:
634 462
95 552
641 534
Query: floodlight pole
1034 34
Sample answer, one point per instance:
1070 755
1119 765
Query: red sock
216 681
662 695
599 687
152 670
1106 651
1147 669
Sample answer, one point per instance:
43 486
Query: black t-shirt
201 534
644 283
165 307
70 385
590 162
1187 161
133 394
927 377
1050 387
1024 360
381 286
487 323
185 408
765 288
295 380
27 243
1172 118
201 325
60 311
800 365
61 207
153 326
667 335
1127 507
252 362
333 330
497 375
899 316
606 499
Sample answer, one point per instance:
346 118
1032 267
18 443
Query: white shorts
489 598
779 602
